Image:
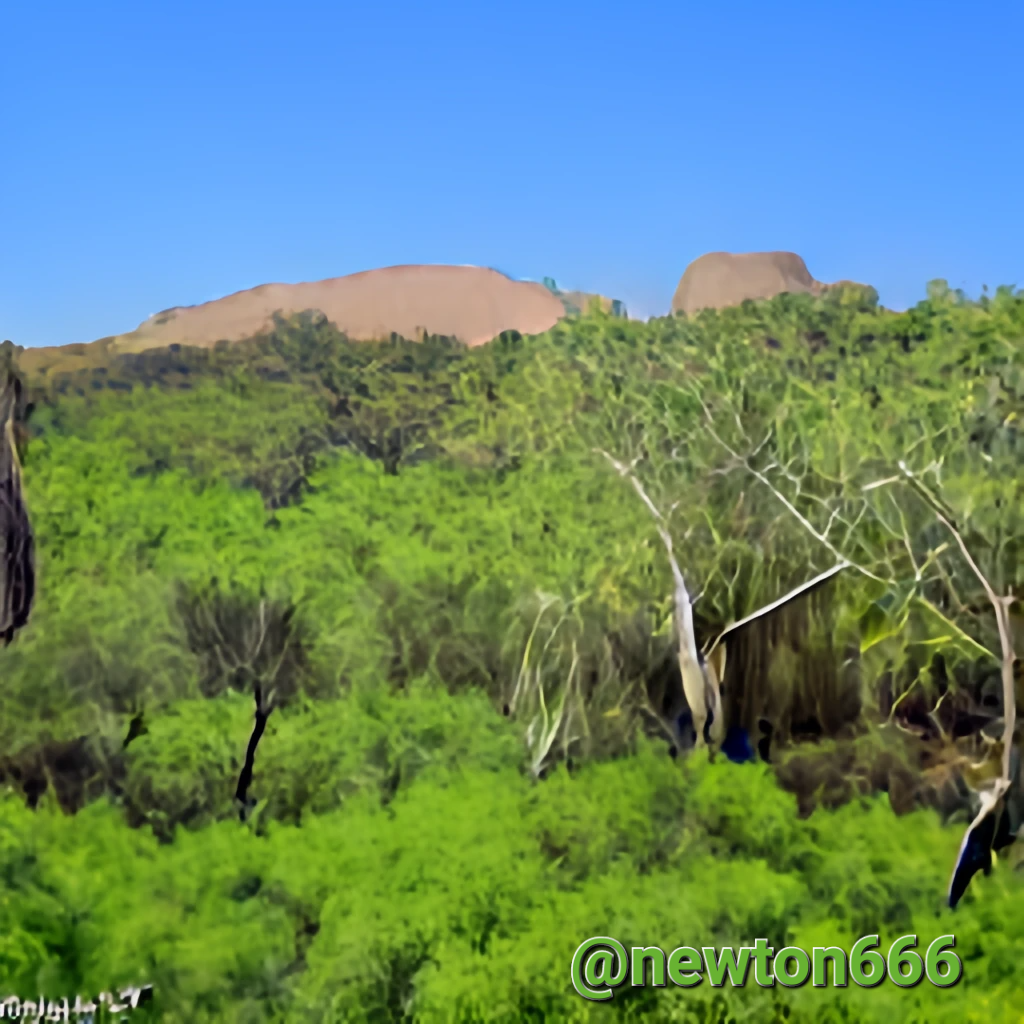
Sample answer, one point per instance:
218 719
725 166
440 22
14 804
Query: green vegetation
464 616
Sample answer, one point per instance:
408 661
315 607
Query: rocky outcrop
473 304
721 279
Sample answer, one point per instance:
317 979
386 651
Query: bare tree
702 671
248 646
991 828
17 557
700 680
999 816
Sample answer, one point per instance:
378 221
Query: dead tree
245 645
1001 800
17 554
702 672
996 823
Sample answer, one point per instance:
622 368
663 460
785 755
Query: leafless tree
17 556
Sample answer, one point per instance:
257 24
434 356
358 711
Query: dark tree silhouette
17 555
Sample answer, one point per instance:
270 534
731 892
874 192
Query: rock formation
473 304
720 279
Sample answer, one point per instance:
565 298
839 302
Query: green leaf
885 617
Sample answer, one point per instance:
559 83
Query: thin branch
785 599
881 483
1001 607
793 510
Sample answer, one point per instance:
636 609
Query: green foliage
464 895
465 617
313 760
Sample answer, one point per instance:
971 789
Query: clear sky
158 154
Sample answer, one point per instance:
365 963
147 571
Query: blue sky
158 154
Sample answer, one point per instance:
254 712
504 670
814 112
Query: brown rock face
720 279
473 304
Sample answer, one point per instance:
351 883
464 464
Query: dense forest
439 576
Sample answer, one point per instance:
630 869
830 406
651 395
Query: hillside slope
460 617
472 304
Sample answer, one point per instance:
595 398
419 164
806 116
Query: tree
17 557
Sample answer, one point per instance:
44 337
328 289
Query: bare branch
1001 607
881 483
791 508
785 599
